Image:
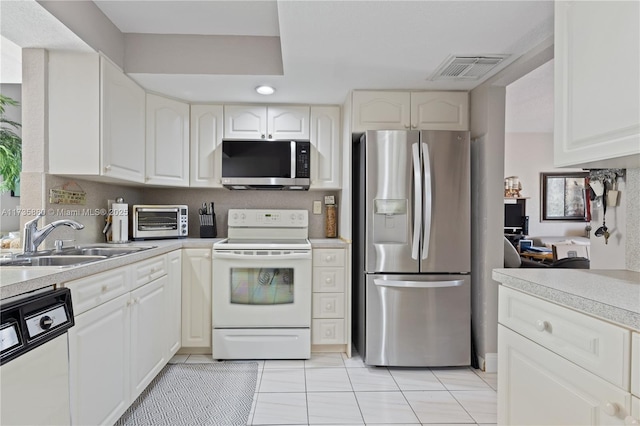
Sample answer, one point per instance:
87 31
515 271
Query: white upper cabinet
597 82
167 141
381 111
206 146
96 113
440 110
325 147
262 122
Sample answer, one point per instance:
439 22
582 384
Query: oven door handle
266 256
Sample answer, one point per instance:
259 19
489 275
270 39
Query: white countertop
613 295
15 280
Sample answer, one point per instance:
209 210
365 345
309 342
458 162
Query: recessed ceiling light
265 90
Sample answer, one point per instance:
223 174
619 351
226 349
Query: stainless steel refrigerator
412 243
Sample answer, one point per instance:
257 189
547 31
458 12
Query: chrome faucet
33 236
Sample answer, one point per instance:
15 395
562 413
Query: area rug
196 394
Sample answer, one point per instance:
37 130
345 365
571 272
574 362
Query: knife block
208 226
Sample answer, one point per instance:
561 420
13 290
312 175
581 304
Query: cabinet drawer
328 257
148 270
327 332
328 280
635 365
328 305
89 292
595 345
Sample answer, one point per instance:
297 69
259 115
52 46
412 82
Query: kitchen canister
331 221
119 221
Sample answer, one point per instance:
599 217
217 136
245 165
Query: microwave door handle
428 201
293 159
417 201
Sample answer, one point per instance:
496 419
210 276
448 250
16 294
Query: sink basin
55 260
104 251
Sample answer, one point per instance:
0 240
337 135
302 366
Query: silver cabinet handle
417 284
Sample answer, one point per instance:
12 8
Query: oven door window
262 286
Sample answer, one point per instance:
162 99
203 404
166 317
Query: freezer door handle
418 284
426 163
417 201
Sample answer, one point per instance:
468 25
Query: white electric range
262 286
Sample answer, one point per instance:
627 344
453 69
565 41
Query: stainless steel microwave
266 164
160 221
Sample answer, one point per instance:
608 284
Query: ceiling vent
466 67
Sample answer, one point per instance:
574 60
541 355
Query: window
564 196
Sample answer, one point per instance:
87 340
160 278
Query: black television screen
513 216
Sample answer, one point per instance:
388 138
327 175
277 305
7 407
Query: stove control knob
293 216
300 217
46 322
243 216
235 215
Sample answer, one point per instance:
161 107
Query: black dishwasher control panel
30 321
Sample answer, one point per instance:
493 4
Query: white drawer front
328 257
148 270
328 280
635 365
595 345
327 332
328 305
89 292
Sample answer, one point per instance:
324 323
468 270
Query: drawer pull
104 288
328 280
329 258
541 325
611 408
631 421
327 333
329 306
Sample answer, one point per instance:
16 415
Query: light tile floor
331 389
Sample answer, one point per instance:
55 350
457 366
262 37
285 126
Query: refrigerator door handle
426 164
417 201
417 284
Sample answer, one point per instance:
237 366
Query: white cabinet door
245 122
99 345
539 387
167 141
123 125
440 110
173 302
596 83
206 146
325 147
148 334
288 122
379 110
196 298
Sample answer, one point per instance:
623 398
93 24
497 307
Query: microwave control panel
302 159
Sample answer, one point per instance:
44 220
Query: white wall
526 155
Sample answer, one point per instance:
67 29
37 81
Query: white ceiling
328 47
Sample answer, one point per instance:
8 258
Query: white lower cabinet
329 306
99 363
121 338
148 334
538 387
173 301
558 366
196 298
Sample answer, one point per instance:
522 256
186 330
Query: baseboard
491 363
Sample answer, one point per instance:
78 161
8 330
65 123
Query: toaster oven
160 221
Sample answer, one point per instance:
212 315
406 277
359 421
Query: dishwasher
34 359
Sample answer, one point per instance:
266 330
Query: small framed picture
524 245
